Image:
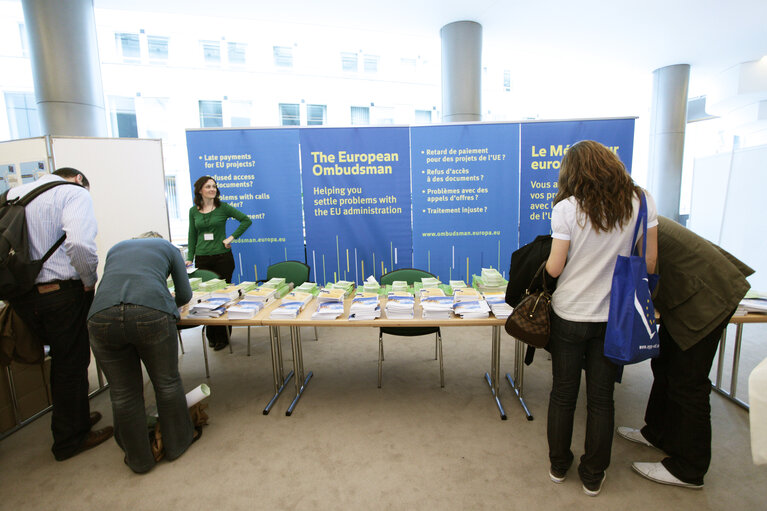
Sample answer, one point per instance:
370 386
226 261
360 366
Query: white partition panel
127 185
727 204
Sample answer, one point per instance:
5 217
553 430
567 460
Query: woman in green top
208 245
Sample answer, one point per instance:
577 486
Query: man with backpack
56 307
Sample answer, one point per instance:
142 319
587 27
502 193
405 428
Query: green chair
409 275
294 272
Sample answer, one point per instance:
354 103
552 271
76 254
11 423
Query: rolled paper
197 394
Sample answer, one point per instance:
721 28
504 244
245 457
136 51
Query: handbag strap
543 278
641 220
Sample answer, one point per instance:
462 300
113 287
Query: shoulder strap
32 194
641 220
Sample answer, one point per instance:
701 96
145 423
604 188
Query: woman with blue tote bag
592 223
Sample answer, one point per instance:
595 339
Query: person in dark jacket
133 320
700 288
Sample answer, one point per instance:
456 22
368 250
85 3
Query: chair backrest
205 275
292 271
409 275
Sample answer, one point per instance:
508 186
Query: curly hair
598 181
198 191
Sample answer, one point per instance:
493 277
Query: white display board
726 207
22 161
127 183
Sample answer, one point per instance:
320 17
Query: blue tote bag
632 333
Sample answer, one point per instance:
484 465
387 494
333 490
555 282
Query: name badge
208 236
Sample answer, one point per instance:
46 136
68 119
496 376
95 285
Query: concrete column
668 120
461 71
65 67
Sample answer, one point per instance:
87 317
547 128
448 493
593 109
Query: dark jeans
58 318
122 337
575 346
678 415
223 265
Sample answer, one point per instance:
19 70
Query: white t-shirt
583 288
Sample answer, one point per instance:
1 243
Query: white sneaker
633 435
660 474
557 478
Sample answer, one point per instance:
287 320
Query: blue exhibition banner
258 173
542 146
356 184
465 198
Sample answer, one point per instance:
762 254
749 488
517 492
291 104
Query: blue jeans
575 346
59 318
122 337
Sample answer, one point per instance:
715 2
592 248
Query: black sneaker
593 489
557 476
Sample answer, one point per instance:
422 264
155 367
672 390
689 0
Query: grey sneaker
633 435
660 474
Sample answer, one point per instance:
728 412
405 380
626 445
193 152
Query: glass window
239 114
289 115
360 115
423 116
22 114
171 197
315 115
236 53
158 48
122 113
210 114
283 56
23 38
211 52
507 79
155 118
371 63
128 47
349 61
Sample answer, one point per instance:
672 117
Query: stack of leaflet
466 294
435 304
365 306
263 294
399 305
210 308
279 285
330 303
371 285
348 287
292 304
490 281
399 286
430 282
246 286
212 285
230 292
471 309
497 303
456 284
308 287
245 308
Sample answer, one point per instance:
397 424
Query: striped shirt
63 209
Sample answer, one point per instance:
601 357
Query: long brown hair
598 181
198 192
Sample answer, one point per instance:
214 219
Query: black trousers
223 266
58 318
678 415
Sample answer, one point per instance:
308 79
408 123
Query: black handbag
530 320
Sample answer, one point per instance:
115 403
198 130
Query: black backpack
17 271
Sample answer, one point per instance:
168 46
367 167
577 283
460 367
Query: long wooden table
304 319
738 321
